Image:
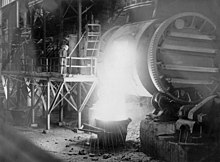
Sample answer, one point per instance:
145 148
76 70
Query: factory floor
70 146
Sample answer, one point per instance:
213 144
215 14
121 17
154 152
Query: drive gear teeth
159 34
152 65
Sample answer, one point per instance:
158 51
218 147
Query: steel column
48 106
33 124
79 94
17 14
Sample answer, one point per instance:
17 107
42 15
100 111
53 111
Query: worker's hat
65 47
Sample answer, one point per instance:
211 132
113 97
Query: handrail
71 63
91 65
24 65
53 65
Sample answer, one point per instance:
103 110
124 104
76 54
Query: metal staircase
93 40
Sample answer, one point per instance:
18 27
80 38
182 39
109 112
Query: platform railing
81 65
51 64
22 65
6 2
69 65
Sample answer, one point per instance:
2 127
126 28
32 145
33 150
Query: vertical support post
1 41
79 105
8 93
33 124
17 14
79 28
7 97
79 94
61 18
18 94
79 21
48 106
95 66
32 103
25 19
32 65
47 65
61 21
44 37
79 119
61 109
91 66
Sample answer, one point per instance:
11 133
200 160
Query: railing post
47 66
91 66
95 67
32 64
48 106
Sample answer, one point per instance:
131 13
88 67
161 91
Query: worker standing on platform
63 53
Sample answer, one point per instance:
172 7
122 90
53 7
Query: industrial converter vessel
176 51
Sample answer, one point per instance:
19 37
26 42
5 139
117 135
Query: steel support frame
49 100
14 94
57 94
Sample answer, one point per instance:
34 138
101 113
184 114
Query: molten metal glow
114 81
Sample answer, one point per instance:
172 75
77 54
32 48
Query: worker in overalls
63 53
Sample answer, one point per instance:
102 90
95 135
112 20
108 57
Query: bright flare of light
114 81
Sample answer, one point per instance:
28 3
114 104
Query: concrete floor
70 146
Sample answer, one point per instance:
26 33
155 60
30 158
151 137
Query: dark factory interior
110 80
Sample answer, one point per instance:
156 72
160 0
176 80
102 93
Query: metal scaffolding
28 83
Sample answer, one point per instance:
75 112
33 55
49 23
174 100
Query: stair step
93 33
91 49
92 41
94 25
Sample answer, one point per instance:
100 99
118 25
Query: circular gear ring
153 49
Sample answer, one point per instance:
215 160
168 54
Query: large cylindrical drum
177 56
